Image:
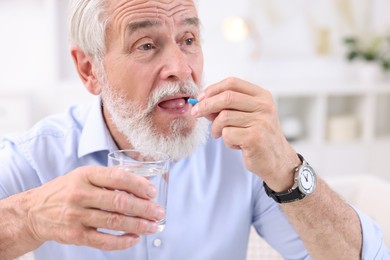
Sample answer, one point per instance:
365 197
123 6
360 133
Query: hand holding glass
149 164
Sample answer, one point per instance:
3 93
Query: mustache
188 88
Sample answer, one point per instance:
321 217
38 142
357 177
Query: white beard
136 124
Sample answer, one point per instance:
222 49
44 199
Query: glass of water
149 164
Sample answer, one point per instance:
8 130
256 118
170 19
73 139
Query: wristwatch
305 181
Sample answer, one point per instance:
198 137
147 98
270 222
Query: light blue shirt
212 202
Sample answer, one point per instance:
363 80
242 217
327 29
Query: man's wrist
305 182
17 236
285 177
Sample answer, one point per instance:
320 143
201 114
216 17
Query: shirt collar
95 136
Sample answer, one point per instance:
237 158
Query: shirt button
157 242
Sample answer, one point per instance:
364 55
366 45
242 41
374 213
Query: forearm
15 236
329 228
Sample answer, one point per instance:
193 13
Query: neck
119 139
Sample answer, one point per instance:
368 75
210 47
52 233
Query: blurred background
326 62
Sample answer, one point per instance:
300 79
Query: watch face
307 180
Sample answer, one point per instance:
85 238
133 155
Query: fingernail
159 213
151 192
152 227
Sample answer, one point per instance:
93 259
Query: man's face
150 44
153 63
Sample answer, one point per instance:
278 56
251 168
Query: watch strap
284 196
289 195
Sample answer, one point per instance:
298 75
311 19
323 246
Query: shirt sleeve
273 226
16 173
373 242
270 223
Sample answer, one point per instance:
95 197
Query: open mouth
174 103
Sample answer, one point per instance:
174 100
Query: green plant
375 49
385 54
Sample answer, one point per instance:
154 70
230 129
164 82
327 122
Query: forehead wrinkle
187 18
171 10
122 11
149 23
150 10
153 7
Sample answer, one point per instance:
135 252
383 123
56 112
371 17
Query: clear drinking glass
149 164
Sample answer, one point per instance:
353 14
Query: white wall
35 66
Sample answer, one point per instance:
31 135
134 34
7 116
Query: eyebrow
135 26
191 21
132 27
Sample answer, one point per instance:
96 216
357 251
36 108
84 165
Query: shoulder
51 138
51 128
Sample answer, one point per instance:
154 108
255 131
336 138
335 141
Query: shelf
296 114
382 116
344 119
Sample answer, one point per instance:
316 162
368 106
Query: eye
189 41
146 47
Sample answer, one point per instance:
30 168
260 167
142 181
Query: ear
86 70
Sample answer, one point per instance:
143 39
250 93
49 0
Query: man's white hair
88 22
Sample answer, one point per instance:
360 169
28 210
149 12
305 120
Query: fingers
230 118
119 222
236 103
125 203
103 241
233 94
226 100
245 116
127 194
116 179
134 197
110 242
70 208
240 138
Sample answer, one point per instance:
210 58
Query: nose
175 65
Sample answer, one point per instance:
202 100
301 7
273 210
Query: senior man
144 60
